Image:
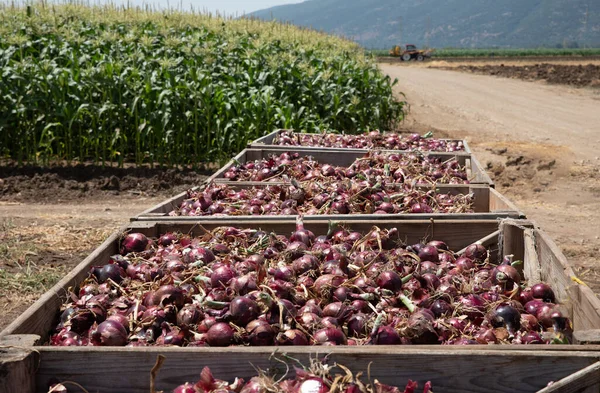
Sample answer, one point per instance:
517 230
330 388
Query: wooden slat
17 370
448 370
557 272
576 382
480 176
531 263
499 203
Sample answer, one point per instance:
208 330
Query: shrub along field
128 85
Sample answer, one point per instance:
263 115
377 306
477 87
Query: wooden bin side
450 370
557 271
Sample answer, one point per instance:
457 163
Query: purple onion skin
134 242
186 388
219 335
110 333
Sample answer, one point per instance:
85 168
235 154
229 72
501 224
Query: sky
229 7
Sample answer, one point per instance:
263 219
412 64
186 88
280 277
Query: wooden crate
267 141
488 204
476 173
451 368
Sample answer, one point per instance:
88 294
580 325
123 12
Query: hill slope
460 23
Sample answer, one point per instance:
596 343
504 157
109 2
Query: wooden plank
449 371
17 370
513 242
265 140
558 273
587 337
499 203
480 176
575 382
531 262
481 196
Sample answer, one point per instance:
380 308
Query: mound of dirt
573 75
67 183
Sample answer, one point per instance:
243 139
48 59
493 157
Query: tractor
410 52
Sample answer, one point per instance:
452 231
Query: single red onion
476 252
134 242
220 335
429 253
243 310
292 337
221 276
389 280
544 292
386 335
332 335
109 333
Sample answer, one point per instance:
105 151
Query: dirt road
540 142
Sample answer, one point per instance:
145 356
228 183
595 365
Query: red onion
190 314
544 292
507 316
476 252
330 335
292 337
110 271
386 335
532 338
134 242
506 276
243 310
109 333
313 385
389 280
429 253
221 277
219 335
440 308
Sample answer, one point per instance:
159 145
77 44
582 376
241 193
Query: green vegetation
114 85
505 52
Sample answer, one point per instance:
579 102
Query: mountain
449 23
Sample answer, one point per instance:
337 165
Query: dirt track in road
541 143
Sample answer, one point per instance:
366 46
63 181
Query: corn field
116 85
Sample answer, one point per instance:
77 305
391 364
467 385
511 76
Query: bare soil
580 75
62 183
539 142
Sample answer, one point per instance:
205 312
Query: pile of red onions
237 286
380 166
371 140
319 380
313 198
